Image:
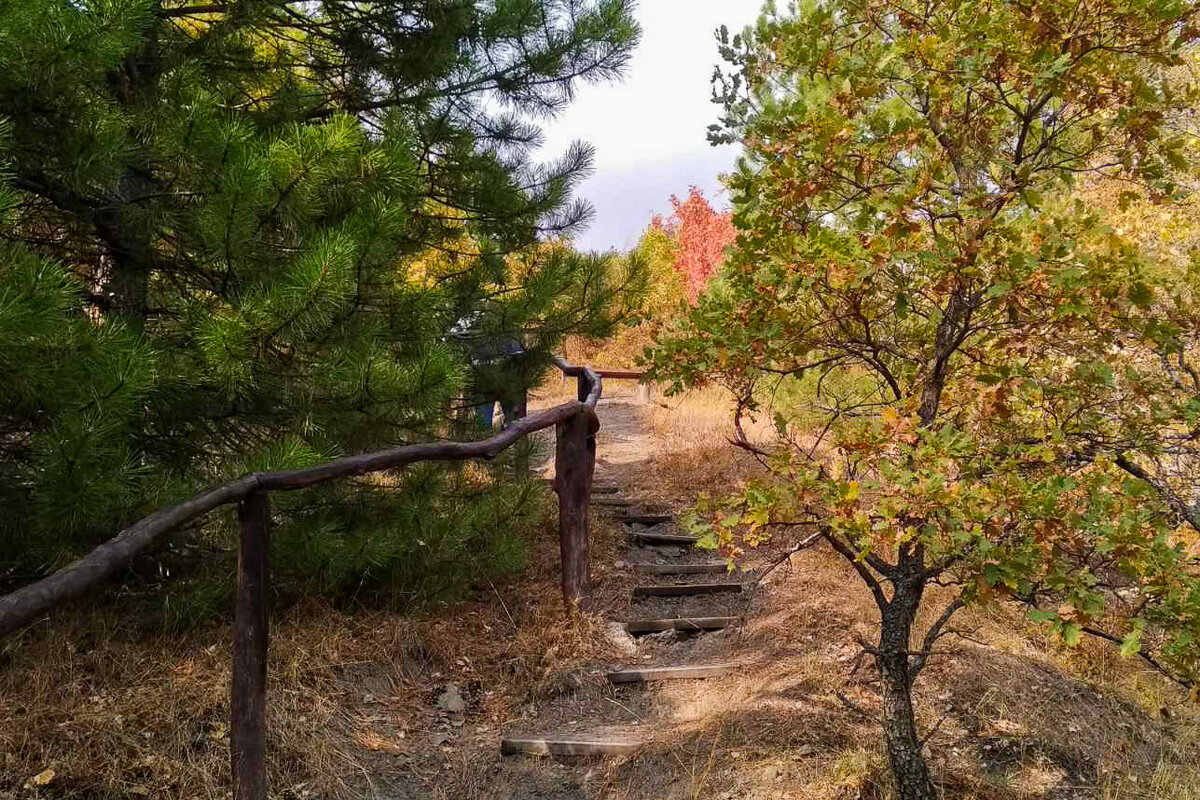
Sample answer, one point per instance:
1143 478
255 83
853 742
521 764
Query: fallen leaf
43 778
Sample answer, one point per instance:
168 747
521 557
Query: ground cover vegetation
999 377
235 237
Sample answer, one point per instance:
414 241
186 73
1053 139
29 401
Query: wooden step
605 489
644 519
568 746
670 673
714 568
680 624
682 589
663 538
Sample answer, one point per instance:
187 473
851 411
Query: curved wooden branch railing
25 604
575 426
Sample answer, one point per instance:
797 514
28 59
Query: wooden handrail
619 374
22 606
590 383
575 425
25 604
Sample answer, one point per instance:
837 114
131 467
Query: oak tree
1003 394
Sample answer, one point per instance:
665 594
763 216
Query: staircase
678 583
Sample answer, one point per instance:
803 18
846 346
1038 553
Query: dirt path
607 725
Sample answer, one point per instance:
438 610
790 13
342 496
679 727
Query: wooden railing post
248 700
574 462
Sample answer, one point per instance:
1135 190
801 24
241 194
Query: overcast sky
649 129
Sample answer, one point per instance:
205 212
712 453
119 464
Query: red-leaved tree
701 234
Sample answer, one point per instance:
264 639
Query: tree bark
899 723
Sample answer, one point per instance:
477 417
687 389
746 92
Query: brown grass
353 695
115 713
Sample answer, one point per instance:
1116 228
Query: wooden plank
605 489
663 538
567 746
251 630
670 673
680 624
644 519
613 502
714 568
682 589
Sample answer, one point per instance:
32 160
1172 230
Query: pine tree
266 216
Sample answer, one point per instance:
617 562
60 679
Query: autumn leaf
43 778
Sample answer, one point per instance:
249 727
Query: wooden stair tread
663 538
680 624
613 502
683 589
694 672
568 745
605 489
713 568
644 519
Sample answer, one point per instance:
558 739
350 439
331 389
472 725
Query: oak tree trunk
899 723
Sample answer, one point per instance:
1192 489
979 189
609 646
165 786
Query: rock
440 738
619 565
451 700
618 637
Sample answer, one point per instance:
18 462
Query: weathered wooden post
574 464
521 460
248 701
574 486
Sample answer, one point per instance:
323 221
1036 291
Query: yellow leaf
43 778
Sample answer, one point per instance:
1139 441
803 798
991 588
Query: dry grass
690 436
353 696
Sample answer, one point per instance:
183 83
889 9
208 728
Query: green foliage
266 221
1001 380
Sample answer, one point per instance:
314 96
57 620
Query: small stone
619 638
664 637
619 565
451 700
440 738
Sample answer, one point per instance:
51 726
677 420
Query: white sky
649 129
